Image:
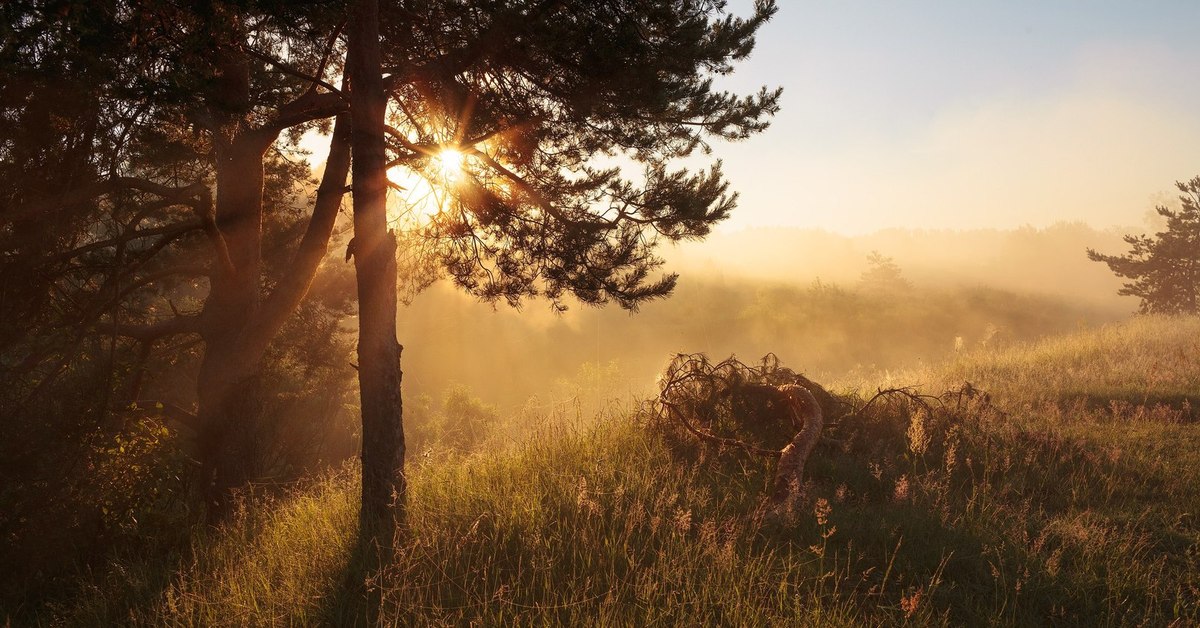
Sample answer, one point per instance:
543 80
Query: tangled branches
724 403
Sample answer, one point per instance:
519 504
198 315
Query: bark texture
374 247
793 457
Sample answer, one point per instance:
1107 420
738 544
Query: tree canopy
568 117
155 202
1164 269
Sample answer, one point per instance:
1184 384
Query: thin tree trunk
383 482
789 474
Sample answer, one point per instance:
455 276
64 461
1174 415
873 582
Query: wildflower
910 603
900 494
822 510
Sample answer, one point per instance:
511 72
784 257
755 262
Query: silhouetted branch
100 188
315 244
153 331
287 68
128 236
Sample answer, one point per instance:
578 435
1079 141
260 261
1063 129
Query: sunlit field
1066 496
567 313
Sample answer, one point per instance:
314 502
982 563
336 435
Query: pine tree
570 120
1164 269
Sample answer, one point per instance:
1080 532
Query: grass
1068 497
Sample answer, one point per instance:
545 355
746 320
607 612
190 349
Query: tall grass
1067 497
1146 359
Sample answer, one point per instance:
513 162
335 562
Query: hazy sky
969 114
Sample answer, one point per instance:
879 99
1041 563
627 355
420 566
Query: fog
808 296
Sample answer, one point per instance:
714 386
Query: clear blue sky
967 114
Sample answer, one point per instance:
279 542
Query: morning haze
685 313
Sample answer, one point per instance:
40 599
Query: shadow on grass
356 597
994 535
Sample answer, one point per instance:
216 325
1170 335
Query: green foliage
539 98
102 464
463 423
80 480
1165 269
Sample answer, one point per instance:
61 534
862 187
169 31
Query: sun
424 194
449 163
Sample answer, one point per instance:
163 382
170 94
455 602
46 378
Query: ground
1067 495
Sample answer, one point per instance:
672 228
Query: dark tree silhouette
141 209
374 250
530 98
1165 268
174 182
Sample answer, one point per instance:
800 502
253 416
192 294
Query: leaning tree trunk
374 248
789 473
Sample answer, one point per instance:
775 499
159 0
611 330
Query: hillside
1065 496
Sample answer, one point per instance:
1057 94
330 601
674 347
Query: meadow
1060 488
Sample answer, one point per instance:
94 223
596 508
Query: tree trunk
789 474
228 401
383 482
237 326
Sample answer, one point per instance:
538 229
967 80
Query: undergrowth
1065 496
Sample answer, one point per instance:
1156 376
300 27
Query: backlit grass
1069 497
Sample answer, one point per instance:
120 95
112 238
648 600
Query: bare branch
333 37
311 106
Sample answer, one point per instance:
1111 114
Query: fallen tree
766 410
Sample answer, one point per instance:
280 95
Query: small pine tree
1165 268
883 275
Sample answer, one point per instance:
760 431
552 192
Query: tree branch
176 325
208 219
308 107
287 68
533 194
172 229
100 188
315 244
333 37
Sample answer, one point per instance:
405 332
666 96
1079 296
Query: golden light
424 195
449 163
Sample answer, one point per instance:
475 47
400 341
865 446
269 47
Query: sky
979 114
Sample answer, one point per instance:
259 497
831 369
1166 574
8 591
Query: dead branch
712 400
